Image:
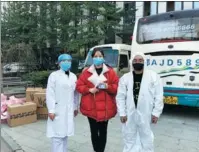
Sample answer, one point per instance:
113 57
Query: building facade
151 8
146 8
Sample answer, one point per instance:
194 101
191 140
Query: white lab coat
137 131
61 99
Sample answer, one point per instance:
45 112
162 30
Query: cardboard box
30 93
20 114
43 90
42 113
40 99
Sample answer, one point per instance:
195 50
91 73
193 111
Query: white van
116 55
13 68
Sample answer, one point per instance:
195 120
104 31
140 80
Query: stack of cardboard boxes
40 100
34 108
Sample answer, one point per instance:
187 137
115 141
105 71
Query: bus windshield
110 56
169 30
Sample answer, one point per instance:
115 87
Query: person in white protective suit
140 103
62 103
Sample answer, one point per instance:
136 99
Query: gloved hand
123 119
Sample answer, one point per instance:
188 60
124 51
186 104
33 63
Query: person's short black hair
97 50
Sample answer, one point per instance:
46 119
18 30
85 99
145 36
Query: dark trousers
98 134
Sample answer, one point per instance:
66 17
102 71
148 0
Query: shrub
39 78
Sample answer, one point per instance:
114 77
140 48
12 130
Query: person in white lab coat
62 103
140 103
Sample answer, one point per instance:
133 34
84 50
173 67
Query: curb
14 147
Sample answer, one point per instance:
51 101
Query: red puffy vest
100 106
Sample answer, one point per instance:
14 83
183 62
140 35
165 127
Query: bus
170 42
116 55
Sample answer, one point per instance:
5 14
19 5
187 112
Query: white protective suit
61 99
137 133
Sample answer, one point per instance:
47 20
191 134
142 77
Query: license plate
170 100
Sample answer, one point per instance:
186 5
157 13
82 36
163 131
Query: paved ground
177 131
4 147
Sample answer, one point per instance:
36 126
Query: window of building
195 5
129 8
128 21
147 8
178 6
170 6
154 8
126 6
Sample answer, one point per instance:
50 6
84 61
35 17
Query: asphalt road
181 111
4 147
176 131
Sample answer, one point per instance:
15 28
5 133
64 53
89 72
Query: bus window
123 61
170 30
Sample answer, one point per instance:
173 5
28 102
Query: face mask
65 66
138 66
98 61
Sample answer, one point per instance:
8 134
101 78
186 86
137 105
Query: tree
19 31
42 25
128 22
10 26
20 53
68 25
93 33
64 19
51 22
102 18
112 16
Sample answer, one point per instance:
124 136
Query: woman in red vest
98 86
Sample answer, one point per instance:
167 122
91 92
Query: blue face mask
65 66
98 61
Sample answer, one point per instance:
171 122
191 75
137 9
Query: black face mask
138 66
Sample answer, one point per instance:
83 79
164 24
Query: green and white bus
170 42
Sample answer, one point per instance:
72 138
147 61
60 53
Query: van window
110 56
124 60
129 52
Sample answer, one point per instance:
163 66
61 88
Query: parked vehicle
170 42
116 55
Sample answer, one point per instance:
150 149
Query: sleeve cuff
122 114
75 107
156 114
51 111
